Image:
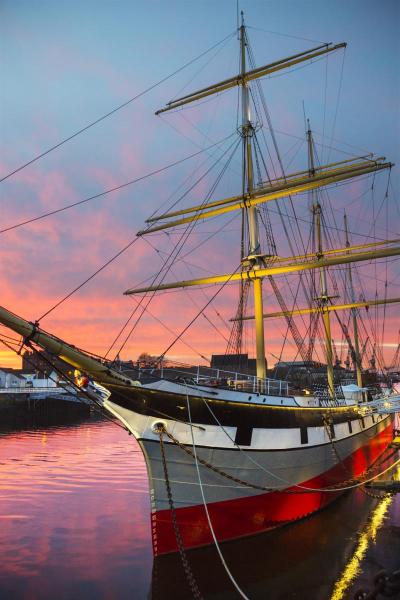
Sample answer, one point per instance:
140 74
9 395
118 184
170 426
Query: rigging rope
296 37
114 189
337 104
170 259
288 483
104 266
238 589
199 313
173 332
187 265
98 271
103 117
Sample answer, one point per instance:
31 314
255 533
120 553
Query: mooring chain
215 469
370 468
375 496
385 584
186 566
385 493
252 485
327 422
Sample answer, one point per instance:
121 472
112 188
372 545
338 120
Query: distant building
10 378
237 363
34 381
298 364
283 368
303 374
17 378
43 363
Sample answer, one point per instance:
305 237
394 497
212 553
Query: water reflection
301 561
367 535
74 513
74 523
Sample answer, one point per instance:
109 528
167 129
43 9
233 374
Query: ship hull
250 487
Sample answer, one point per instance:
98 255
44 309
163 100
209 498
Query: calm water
74 524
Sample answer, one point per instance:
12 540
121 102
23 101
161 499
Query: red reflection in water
74 508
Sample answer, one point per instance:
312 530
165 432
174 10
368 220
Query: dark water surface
74 524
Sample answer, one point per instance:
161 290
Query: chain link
367 492
186 566
205 463
216 469
373 466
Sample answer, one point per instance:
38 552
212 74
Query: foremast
254 257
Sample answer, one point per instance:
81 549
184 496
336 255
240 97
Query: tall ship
230 452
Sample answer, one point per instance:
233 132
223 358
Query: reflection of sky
65 65
74 511
75 523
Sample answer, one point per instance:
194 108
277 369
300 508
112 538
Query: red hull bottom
242 517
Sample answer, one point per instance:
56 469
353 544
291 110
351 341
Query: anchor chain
373 495
186 566
327 421
205 463
216 470
370 468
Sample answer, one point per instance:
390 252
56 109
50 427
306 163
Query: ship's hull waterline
302 448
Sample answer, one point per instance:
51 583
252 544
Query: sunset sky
65 65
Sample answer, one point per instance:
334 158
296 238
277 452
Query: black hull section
158 403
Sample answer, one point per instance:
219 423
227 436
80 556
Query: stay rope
114 189
131 243
286 482
238 589
114 110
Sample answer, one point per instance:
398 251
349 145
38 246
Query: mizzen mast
357 359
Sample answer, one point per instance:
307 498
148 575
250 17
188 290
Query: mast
254 267
357 361
323 299
251 212
313 323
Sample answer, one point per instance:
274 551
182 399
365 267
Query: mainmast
254 258
357 359
254 267
323 299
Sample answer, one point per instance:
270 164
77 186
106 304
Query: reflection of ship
242 454
319 557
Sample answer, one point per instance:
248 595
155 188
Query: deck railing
216 378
